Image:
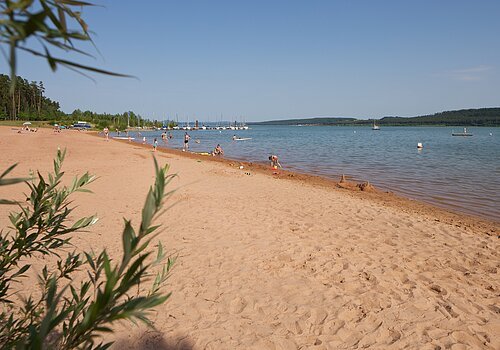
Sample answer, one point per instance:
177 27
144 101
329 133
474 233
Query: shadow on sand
154 340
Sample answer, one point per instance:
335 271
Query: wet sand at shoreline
284 261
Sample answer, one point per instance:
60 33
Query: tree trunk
14 105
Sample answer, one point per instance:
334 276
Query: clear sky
278 59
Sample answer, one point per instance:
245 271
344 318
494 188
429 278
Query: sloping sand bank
287 261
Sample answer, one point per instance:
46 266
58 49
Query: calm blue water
459 173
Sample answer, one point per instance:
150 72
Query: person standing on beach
106 133
186 142
155 144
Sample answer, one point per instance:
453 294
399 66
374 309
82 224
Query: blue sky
273 59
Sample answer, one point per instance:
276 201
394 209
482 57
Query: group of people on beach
27 128
218 151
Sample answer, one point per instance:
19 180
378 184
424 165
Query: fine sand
283 261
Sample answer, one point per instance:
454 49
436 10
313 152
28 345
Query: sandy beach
284 261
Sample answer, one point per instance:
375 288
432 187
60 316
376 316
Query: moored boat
464 133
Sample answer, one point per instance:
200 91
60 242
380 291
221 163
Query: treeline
463 117
28 103
118 121
114 121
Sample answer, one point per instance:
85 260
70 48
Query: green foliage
112 121
464 117
171 124
74 308
27 101
54 24
37 27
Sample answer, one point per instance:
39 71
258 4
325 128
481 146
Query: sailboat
375 126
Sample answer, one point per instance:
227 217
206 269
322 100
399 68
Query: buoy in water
419 145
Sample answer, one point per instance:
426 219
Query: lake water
459 173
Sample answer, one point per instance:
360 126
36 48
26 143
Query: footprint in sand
394 336
237 305
333 326
449 309
368 277
316 317
293 326
438 289
494 308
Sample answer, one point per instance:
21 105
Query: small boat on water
464 133
375 126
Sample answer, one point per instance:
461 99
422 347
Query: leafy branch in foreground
82 294
49 22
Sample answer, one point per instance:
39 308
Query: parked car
82 125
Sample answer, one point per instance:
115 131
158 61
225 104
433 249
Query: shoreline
388 198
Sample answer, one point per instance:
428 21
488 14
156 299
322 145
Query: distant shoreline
464 117
385 125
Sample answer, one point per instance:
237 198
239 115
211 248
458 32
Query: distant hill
463 117
309 121
466 117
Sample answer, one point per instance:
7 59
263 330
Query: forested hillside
28 103
464 117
